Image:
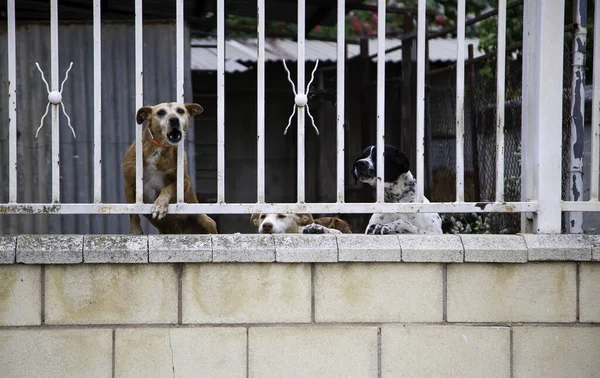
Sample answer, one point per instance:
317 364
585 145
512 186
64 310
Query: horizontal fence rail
537 145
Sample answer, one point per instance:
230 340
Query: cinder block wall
300 306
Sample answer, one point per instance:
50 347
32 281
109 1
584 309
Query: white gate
541 116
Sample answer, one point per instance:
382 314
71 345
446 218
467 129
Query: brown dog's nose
174 121
267 227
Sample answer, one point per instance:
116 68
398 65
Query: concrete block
368 248
115 249
494 248
111 294
445 351
180 352
306 248
179 248
559 247
8 249
243 248
312 352
386 292
533 292
594 240
246 293
556 351
431 248
589 292
50 249
56 353
20 295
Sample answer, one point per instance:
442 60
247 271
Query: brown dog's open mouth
174 136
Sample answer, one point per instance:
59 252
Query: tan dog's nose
267 227
174 122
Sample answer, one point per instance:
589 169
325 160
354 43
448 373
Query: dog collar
154 140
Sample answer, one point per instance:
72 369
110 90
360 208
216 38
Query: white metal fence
542 96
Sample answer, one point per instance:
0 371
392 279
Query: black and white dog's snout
363 170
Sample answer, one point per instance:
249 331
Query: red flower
440 20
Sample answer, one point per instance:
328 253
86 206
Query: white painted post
139 101
546 97
260 105
460 101
301 109
595 137
500 99
220 101
55 110
97 103
179 68
340 96
421 26
12 103
528 158
381 4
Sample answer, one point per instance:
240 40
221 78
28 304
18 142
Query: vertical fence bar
575 188
97 102
421 25
500 99
381 4
340 97
180 93
301 111
55 109
546 100
12 103
139 100
460 102
528 161
595 163
220 101
260 105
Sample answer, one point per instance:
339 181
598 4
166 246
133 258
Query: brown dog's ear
304 219
255 220
194 109
143 114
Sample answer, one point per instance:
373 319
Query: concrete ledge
306 248
120 249
431 248
8 249
243 248
558 247
369 248
595 242
297 248
50 249
494 248
179 248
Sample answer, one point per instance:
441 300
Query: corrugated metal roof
204 52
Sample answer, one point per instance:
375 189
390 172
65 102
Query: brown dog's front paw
136 231
160 208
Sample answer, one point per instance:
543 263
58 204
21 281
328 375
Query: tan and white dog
167 125
298 223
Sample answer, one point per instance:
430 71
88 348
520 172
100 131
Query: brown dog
167 125
297 224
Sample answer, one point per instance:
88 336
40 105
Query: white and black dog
399 187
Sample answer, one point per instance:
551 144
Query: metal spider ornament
301 99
